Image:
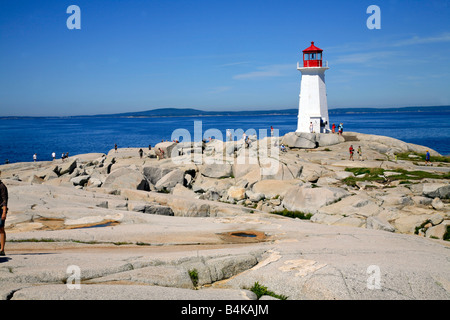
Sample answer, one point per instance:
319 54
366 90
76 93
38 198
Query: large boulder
377 223
245 164
236 193
439 190
203 184
326 139
273 188
170 149
408 223
170 180
309 200
217 170
154 174
300 140
66 167
437 232
281 171
126 178
360 205
80 180
306 140
181 191
150 208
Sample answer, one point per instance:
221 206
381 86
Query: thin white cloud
392 41
445 37
276 70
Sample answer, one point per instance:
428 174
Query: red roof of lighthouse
312 48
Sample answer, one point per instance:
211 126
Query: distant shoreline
172 112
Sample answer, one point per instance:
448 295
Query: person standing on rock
140 153
427 158
53 155
34 157
4 210
115 147
351 150
341 128
333 128
360 153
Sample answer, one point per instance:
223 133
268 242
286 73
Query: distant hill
189 112
174 112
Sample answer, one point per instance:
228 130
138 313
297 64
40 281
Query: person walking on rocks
4 211
427 158
360 153
351 150
34 157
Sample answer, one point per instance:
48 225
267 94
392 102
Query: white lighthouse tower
313 107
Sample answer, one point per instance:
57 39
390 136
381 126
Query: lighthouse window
313 56
319 56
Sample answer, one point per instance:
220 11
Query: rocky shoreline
220 198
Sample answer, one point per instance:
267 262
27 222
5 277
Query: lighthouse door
316 123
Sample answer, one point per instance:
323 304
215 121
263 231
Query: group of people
351 150
340 128
63 157
159 152
324 124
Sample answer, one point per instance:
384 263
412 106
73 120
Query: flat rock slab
128 292
298 259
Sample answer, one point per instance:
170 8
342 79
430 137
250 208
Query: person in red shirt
351 150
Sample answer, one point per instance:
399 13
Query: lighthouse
313 107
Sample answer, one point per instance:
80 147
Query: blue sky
217 55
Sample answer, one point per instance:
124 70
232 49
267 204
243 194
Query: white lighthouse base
313 106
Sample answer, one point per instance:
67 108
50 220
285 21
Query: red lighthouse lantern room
312 56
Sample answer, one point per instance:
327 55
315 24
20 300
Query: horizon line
210 111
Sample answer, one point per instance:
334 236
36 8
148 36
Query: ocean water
22 137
